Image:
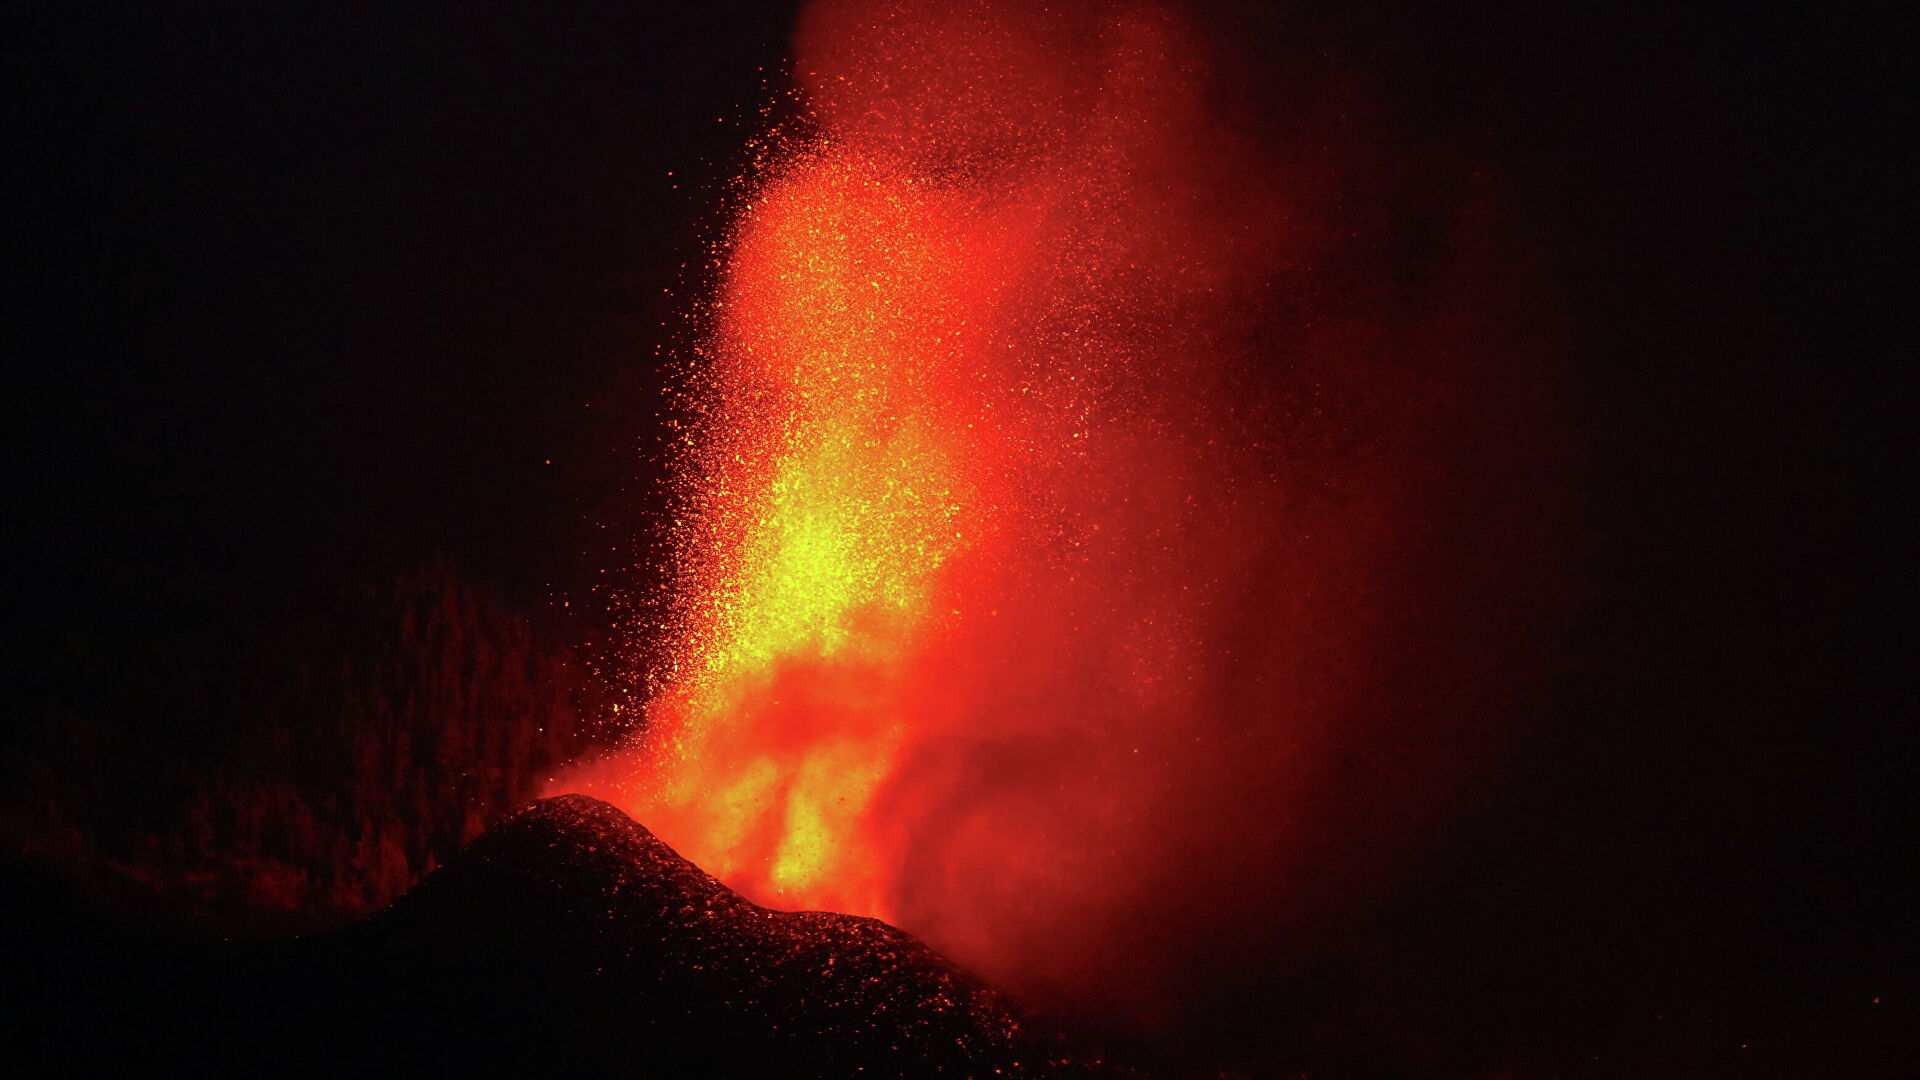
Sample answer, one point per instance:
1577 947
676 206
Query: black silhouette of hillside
567 940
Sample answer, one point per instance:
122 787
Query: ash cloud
1246 423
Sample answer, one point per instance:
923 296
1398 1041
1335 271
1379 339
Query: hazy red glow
1073 538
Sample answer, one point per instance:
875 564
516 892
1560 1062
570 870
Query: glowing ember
1025 563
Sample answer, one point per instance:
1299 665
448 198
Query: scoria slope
565 941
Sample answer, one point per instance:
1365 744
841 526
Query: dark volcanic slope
565 941
573 900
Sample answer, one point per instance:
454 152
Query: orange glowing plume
838 502
917 365
1024 561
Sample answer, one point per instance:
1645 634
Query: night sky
307 297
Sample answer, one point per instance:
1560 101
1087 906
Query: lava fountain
1109 510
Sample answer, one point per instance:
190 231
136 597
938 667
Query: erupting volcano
1098 515
1076 539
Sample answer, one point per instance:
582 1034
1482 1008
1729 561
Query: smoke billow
1126 507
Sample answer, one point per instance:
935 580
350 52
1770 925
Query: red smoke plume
1122 513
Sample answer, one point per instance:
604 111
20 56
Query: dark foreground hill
565 941
568 941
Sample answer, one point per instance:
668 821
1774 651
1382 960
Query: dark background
309 297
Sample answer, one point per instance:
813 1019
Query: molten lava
1075 527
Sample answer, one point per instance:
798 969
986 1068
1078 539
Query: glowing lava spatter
842 486
920 335
1062 509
